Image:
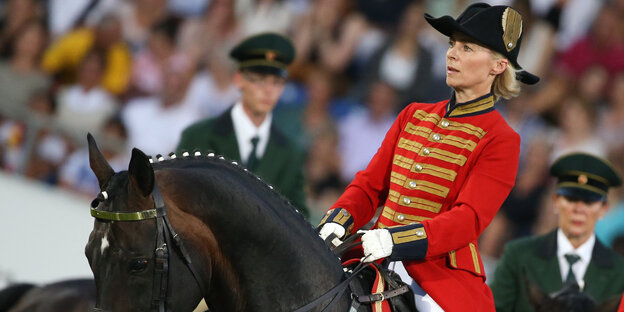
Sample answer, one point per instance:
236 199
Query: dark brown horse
227 237
75 295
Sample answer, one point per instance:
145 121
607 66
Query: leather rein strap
165 233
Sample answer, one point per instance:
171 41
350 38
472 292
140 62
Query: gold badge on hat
270 55
582 179
512 28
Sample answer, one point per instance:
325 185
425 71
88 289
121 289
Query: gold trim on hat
512 28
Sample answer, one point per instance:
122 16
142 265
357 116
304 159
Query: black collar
478 106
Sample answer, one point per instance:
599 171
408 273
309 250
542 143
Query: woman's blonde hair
505 85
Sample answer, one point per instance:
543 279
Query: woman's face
469 66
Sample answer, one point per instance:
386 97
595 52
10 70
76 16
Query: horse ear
539 299
98 163
141 173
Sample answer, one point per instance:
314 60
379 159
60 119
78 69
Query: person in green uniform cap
571 254
245 132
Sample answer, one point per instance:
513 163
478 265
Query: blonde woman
444 169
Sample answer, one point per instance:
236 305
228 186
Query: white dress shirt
245 130
584 251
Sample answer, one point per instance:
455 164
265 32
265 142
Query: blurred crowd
135 73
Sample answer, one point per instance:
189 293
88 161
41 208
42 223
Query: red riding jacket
441 174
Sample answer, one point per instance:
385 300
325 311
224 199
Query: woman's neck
463 96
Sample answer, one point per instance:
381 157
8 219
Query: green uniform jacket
537 258
281 165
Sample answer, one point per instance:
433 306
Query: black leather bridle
164 237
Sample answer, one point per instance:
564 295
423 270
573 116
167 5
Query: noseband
164 237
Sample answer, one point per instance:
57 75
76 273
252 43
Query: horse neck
260 245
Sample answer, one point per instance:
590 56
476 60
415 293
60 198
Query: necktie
572 259
252 160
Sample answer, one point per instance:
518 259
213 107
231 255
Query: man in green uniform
571 253
245 132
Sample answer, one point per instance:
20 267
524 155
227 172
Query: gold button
444 123
418 167
436 137
412 184
400 217
406 200
420 233
426 151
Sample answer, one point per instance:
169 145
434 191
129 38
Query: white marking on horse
104 244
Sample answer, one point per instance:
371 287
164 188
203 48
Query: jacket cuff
410 242
340 216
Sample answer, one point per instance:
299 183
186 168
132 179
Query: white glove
377 244
335 228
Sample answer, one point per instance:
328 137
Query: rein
165 234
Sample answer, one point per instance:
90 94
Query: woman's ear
499 66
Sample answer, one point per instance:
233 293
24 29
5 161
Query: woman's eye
467 48
451 43
138 265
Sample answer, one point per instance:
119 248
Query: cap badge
270 55
512 28
582 179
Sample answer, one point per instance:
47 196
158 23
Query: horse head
122 252
230 238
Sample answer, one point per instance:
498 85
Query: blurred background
136 72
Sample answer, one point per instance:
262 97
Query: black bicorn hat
497 27
265 53
584 176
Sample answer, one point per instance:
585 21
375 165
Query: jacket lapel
548 272
274 155
224 137
597 275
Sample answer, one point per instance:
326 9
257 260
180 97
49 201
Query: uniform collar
565 247
478 106
245 129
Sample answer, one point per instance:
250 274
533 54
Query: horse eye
138 265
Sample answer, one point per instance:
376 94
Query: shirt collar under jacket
478 106
245 130
584 251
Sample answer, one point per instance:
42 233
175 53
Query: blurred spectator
602 46
213 89
538 42
20 77
50 150
401 62
188 8
332 34
577 133
138 17
362 130
155 123
64 56
12 135
385 14
215 32
521 208
76 174
258 16
303 123
65 15
610 229
150 62
322 171
16 15
85 106
611 124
